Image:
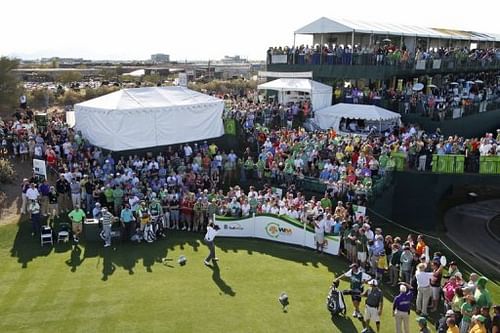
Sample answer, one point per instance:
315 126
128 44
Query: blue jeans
89 202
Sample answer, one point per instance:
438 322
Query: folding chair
46 236
63 233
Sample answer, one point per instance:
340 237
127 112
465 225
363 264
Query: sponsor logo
233 226
274 230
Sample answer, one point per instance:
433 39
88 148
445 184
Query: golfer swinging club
212 230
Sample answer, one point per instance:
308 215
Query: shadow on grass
223 286
289 252
343 324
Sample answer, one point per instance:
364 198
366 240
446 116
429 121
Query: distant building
234 60
160 58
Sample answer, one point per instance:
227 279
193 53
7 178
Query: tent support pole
321 51
352 45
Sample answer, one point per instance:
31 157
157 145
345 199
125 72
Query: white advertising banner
331 245
279 59
39 168
274 229
436 64
277 230
236 228
420 65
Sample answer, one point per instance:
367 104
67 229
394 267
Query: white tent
320 94
330 117
148 117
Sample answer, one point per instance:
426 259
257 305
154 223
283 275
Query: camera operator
357 278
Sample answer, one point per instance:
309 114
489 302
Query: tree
69 76
40 98
10 89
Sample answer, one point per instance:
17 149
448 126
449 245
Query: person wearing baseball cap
478 324
373 306
401 307
442 324
357 278
422 325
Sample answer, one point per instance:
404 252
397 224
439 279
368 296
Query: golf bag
159 227
335 301
149 233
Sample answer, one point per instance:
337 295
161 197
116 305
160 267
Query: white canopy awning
325 25
148 117
321 94
330 117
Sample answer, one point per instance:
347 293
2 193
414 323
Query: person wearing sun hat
478 324
422 325
482 295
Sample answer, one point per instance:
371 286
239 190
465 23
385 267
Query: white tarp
321 94
330 117
148 117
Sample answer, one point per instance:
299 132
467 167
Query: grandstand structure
347 49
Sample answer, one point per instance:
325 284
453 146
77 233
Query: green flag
230 126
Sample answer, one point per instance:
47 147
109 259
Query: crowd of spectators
385 53
187 184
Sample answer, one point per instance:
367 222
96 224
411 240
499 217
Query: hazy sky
210 29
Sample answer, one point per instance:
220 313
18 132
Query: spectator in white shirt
32 193
424 291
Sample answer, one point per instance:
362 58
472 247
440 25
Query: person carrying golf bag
335 301
357 277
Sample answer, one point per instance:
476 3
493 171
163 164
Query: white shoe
206 263
189 229
107 245
354 314
215 259
183 228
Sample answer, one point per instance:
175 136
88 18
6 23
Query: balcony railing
356 59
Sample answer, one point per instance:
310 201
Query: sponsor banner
306 75
235 228
420 65
278 230
39 168
279 59
436 64
274 229
331 244
359 211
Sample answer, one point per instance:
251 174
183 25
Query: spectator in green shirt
482 295
117 199
77 215
326 202
108 193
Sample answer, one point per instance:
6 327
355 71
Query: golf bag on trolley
159 225
335 300
149 234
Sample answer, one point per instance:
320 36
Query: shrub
6 171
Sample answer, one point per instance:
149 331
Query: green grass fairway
130 289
